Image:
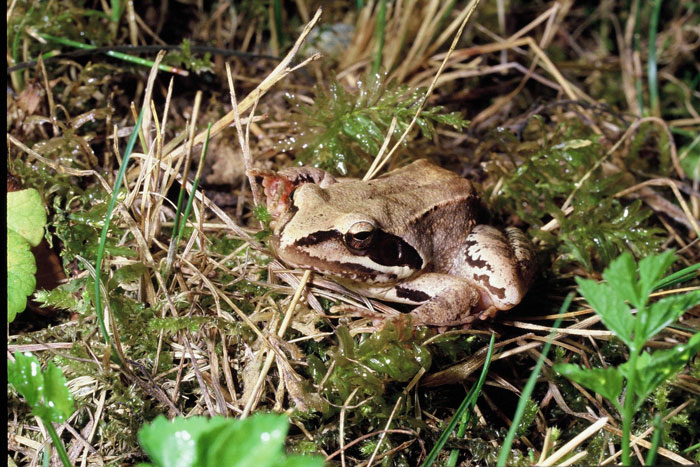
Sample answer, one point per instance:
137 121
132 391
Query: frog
413 236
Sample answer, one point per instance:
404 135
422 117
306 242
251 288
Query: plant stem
655 440
57 443
629 406
652 64
105 228
637 47
530 386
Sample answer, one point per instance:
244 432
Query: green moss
600 226
342 131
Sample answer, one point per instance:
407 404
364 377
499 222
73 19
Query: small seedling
627 286
209 442
45 391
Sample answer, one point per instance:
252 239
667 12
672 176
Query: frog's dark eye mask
381 247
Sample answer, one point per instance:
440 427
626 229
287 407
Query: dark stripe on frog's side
483 279
386 249
499 247
475 262
415 296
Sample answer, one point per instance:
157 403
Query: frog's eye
359 236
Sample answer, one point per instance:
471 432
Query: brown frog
410 236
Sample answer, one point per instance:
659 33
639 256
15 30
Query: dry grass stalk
252 401
578 439
470 11
280 71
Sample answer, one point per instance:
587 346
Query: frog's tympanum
411 236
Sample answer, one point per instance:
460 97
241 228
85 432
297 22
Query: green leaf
663 364
651 269
25 375
254 441
126 274
46 392
612 309
666 311
691 163
175 443
26 215
605 381
203 442
21 268
302 461
621 274
58 401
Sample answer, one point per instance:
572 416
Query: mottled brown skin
410 236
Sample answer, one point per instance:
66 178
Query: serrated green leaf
26 215
613 310
655 368
621 274
660 314
605 381
46 392
127 274
651 269
21 268
71 296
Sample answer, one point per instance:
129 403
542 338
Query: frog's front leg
442 299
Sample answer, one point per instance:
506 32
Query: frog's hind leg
499 263
442 299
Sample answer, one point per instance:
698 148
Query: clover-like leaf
174 443
26 215
199 441
45 391
255 441
21 268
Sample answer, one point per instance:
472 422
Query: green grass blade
115 54
678 277
195 184
105 228
466 404
530 386
637 48
691 448
655 441
379 34
277 11
652 64
117 9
